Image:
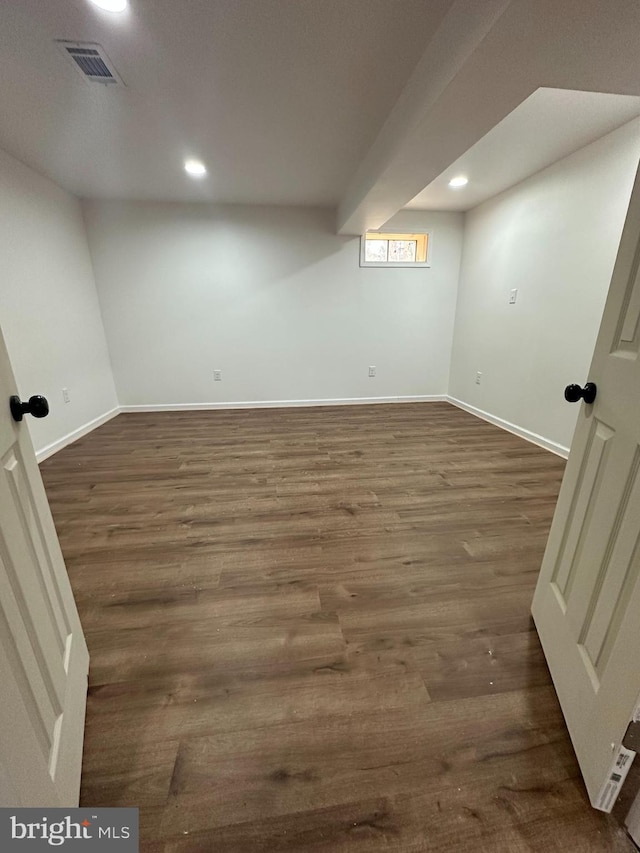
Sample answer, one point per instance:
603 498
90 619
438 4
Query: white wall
49 308
554 237
271 297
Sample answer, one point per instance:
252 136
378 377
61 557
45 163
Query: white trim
281 404
547 444
50 449
534 438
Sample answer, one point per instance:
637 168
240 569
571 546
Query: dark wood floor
309 631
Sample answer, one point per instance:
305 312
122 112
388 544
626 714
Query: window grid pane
376 251
402 250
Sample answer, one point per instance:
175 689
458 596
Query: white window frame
397 264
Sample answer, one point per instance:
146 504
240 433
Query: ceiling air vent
90 59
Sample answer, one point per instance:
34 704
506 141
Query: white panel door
43 655
587 601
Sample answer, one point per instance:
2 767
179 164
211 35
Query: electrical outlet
513 296
372 370
65 395
217 376
478 378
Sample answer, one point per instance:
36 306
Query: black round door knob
37 406
573 393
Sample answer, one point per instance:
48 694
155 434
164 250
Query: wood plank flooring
309 631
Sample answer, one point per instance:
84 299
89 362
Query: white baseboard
533 437
50 449
280 404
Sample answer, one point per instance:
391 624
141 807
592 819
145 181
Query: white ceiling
486 59
280 98
356 103
547 126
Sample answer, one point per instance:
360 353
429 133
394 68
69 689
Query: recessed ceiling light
111 5
459 181
195 168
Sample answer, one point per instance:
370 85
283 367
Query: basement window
383 249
